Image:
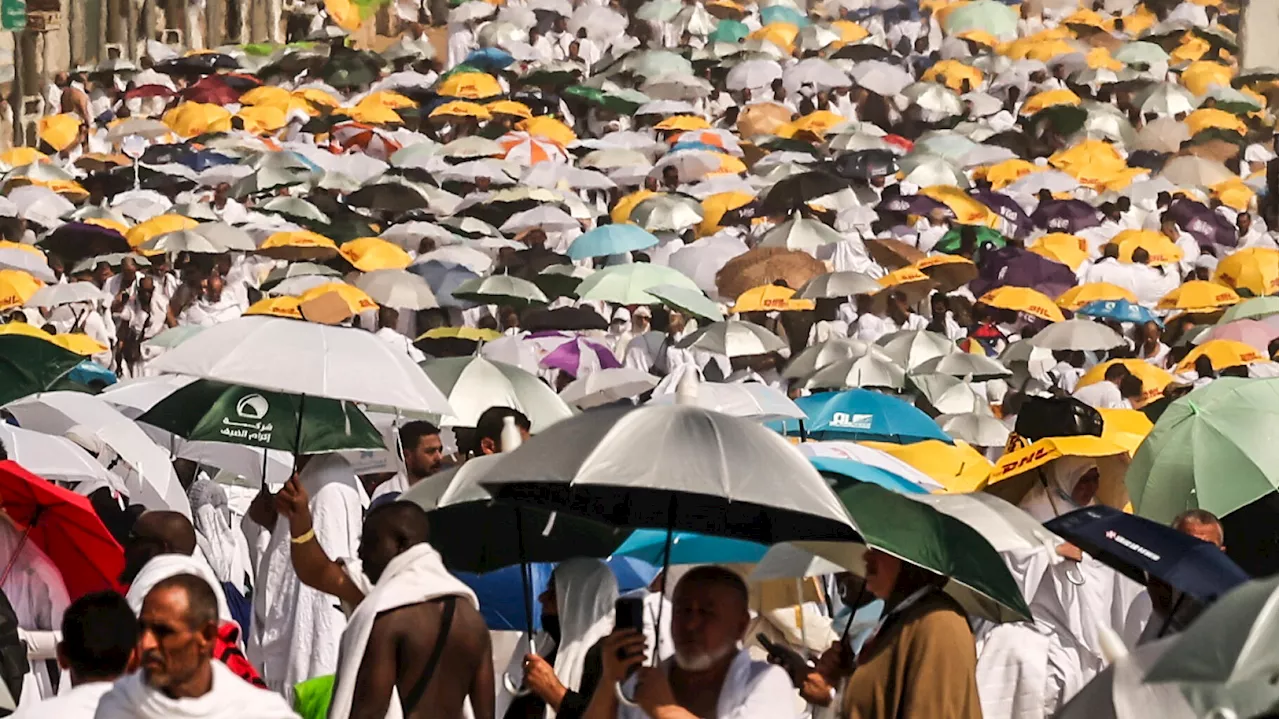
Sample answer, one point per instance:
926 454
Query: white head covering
586 592
1063 474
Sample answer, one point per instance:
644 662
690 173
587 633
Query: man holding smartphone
710 675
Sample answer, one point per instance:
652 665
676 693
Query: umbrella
912 348
1190 171
1021 469
607 386
1154 379
882 78
793 193
958 467
975 428
977 367
667 213
1023 299
1254 333
611 240
64 526
54 458
857 461
749 400
1077 334
871 369
500 290
1254 269
1140 548
563 318
650 546
689 301
859 414
801 233
1198 296
628 284
1010 267
305 358
32 365
766 265
1077 297
1255 308
733 338
1067 216
579 357
1119 311
474 384
838 285
824 354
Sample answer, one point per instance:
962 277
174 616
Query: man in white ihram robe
296 629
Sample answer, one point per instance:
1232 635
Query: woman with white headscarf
1072 483
577 613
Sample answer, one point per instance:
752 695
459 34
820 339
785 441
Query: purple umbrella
578 357
1208 227
1068 216
913 205
1016 267
1007 208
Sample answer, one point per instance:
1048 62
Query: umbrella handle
515 690
622 697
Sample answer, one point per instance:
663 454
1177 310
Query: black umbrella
447 346
862 165
792 193
1068 216
564 318
391 197
201 64
526 264
77 240
860 52
1065 119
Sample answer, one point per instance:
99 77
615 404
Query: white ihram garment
229 697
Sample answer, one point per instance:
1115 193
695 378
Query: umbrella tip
510 436
687 390
1113 647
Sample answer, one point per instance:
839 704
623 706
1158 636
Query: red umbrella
145 91
63 525
212 89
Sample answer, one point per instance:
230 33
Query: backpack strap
446 622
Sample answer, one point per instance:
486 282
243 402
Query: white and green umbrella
501 290
629 284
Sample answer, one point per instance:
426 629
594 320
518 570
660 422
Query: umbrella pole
526 579
297 436
264 466
804 435
35 517
666 578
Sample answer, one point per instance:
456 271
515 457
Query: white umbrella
824 354
949 395
912 348
627 284
838 284
305 358
872 369
474 384
787 561
51 296
547 218
753 74
33 263
691 165
881 77
748 400
963 364
801 233
936 100
982 430
937 171
1077 334
873 457
667 213
814 71
150 480
606 386
701 260
1192 171
474 260
398 289
733 338
55 458
676 87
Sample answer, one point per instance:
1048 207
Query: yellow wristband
310 535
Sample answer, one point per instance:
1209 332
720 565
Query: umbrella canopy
611 240
32 365
733 338
607 386
474 384
859 414
500 290
958 467
1023 299
1077 335
627 284
1119 311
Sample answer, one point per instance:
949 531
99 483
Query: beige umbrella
1163 134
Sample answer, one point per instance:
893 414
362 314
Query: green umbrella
730 31
1225 662
985 15
1255 308
628 284
950 242
208 411
693 302
1213 449
29 365
1065 119
610 101
921 535
501 290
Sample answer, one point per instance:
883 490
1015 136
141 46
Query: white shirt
79 703
751 690
1102 395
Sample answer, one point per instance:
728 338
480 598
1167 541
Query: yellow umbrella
715 207
68 188
1061 247
1201 76
81 344
387 98
262 119
355 298
982 37
1089 155
683 122
471 85
770 298
729 165
156 226
1023 299
1049 98
1125 427
461 108
549 128
849 31
60 131
782 34
1003 174
967 210
1046 51
1013 475
1256 269
1100 59
819 122
371 114
1140 21
374 253
31 249
315 96
949 272
26 330
1223 354
16 287
1087 17
1160 248
953 74
22 156
910 281
282 99
1211 117
510 107
107 223
463 333
1081 295
621 211
276 307
197 118
298 245
343 13
1154 379
1192 48
958 467
1198 296
1234 193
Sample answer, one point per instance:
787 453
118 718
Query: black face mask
551 625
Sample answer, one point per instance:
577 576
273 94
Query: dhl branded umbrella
1161 249
715 207
1234 193
388 98
1046 51
108 223
1060 247
683 123
371 114
19 156
967 210
1017 472
509 107
1003 174
1223 354
16 287
473 334
770 298
262 119
276 307
764 118
368 254
1154 379
298 245
1253 269
1090 18
1198 296
548 127
461 109
281 99
471 85
1191 48
948 272
1207 118
1081 295
22 328
158 225
818 122
782 34
197 118
1023 299
1201 76
1090 155
954 74
621 211
910 281
958 467
1125 427
79 343
60 131
355 299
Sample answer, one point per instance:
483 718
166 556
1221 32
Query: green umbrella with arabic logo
208 411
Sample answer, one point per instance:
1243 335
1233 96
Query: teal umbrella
985 15
783 14
730 31
1213 449
208 411
650 545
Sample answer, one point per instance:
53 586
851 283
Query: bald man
156 533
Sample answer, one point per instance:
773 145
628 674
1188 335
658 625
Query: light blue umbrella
444 278
860 414
783 14
611 240
855 470
985 15
689 548
1120 311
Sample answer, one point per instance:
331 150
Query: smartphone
786 657
628 613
